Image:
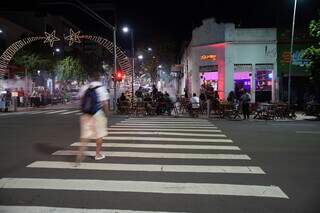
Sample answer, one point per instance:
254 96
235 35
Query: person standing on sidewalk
93 122
245 101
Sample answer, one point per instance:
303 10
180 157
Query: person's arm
106 106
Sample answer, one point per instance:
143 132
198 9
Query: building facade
231 59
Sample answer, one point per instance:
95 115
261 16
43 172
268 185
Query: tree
33 62
313 55
71 69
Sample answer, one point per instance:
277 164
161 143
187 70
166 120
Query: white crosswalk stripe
168 133
70 112
164 129
158 155
161 146
142 186
159 142
199 140
47 209
56 111
161 127
148 167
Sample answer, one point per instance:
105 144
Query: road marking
79 113
165 119
70 112
168 133
308 132
168 130
158 155
148 167
120 138
164 126
46 209
165 122
37 112
143 187
56 111
292 124
161 146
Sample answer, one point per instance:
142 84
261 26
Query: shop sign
208 57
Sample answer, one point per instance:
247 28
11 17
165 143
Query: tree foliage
33 62
313 52
70 69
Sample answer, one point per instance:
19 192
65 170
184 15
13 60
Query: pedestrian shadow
47 148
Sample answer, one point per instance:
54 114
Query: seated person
168 102
194 102
148 103
123 97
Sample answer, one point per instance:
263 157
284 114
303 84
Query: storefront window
264 78
242 78
209 76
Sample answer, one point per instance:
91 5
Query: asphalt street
159 164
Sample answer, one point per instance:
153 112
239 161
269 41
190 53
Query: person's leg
98 147
244 111
82 148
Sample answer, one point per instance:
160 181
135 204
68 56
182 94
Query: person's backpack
90 103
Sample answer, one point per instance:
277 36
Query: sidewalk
69 105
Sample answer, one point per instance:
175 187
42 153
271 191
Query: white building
231 59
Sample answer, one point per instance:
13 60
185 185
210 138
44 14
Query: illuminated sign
208 57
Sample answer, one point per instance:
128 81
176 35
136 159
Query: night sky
174 19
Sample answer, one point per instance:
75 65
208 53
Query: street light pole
132 77
115 68
291 52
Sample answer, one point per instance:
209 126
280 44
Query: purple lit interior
210 76
241 75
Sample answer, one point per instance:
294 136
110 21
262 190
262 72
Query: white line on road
160 127
119 138
79 113
143 187
46 209
56 111
168 133
168 130
70 112
165 119
166 122
37 112
148 167
161 146
166 125
158 155
308 132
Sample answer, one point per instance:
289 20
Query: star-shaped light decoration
73 37
51 38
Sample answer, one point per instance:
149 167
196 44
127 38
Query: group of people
154 102
209 99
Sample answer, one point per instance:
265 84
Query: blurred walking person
93 122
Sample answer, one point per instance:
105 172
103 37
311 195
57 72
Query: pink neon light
217 45
241 75
210 76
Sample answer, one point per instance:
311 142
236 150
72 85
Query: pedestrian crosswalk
145 160
59 112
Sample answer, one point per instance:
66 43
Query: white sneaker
99 157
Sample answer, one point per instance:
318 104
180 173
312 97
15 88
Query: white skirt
93 126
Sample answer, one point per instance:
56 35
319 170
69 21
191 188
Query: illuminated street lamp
140 57
126 29
149 49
